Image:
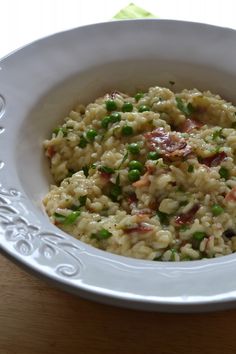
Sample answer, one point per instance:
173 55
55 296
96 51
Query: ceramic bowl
39 84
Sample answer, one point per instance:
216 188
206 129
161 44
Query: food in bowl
149 176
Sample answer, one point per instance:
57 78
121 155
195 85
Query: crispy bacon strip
50 152
188 217
189 125
106 176
139 228
231 196
143 181
132 198
169 144
214 160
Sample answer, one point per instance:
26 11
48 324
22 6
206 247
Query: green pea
91 134
111 105
138 96
115 117
127 130
216 209
153 155
105 122
199 235
127 107
134 175
135 165
134 148
224 173
143 108
83 142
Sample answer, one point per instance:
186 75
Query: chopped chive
83 142
187 109
70 172
190 168
183 203
85 169
163 217
224 172
117 180
171 82
217 134
82 200
106 169
124 159
157 258
180 189
60 129
183 228
68 219
173 252
115 192
102 234
75 207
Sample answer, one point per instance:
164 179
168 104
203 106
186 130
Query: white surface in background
25 21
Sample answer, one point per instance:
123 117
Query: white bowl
39 84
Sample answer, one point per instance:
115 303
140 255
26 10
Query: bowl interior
84 87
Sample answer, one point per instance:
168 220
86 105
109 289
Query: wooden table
37 318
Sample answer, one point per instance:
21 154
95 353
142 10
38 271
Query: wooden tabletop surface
37 318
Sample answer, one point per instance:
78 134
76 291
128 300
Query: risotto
151 176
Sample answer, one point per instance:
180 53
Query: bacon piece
50 152
132 198
169 144
214 160
231 196
143 181
105 175
189 125
139 228
143 213
188 217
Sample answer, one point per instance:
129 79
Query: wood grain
36 318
